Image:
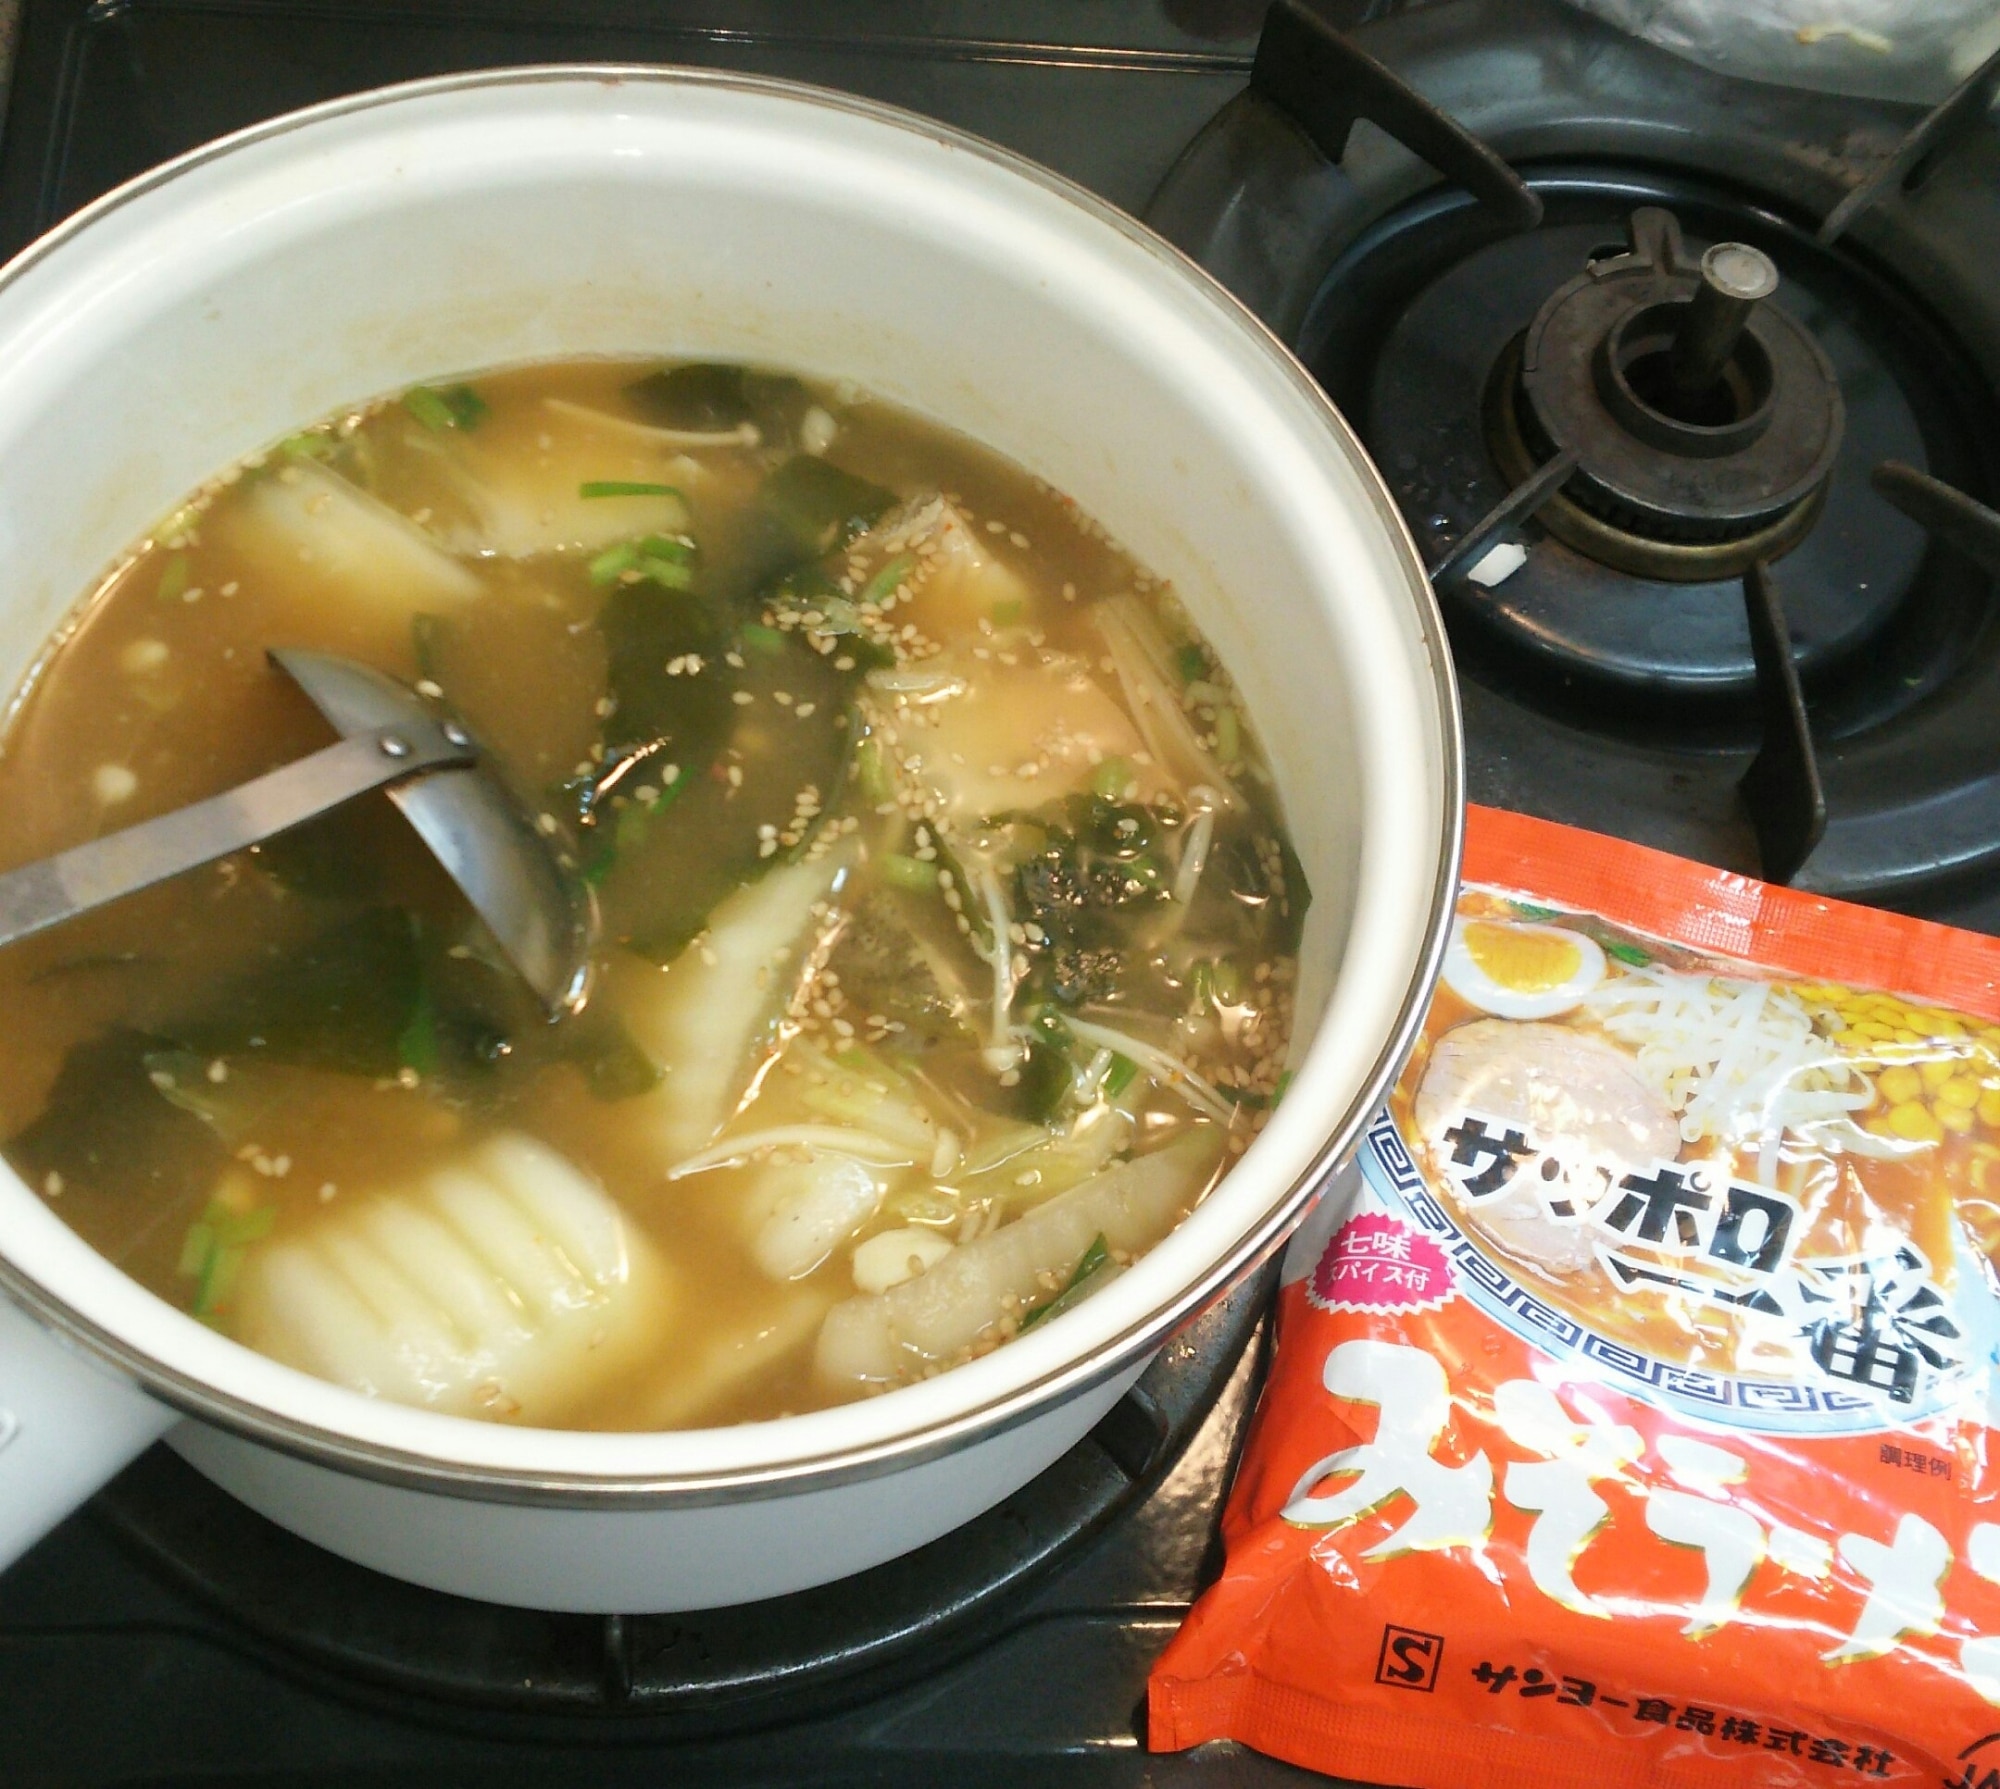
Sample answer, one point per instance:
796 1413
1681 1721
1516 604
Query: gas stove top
1649 478
1508 343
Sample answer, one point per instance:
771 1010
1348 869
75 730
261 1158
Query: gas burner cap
1705 424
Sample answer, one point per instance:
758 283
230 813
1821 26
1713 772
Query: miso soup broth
947 924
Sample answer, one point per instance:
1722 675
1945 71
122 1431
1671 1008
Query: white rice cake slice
332 549
710 1017
935 1317
506 1285
1001 737
518 504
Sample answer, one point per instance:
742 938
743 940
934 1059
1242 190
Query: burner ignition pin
1735 278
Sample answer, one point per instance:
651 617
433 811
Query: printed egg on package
1521 969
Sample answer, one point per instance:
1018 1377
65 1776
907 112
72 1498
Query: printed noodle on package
1632 1408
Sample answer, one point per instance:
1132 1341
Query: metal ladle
428 766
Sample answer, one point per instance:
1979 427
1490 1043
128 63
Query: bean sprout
1168 1070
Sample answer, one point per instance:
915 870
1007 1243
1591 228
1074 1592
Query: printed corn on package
1632 1413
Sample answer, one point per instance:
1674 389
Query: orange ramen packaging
1633 1412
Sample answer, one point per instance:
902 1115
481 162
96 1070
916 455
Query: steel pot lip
919 1439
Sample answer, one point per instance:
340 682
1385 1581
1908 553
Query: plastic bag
1916 50
1633 1407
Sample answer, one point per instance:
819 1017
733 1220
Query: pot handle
67 1426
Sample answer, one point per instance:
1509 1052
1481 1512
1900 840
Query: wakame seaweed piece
1047 1077
613 1065
342 1000
684 714
783 768
806 508
1253 890
893 958
1095 872
105 1130
711 397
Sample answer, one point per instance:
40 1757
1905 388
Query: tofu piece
505 1284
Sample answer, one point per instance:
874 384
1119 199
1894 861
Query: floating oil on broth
948 925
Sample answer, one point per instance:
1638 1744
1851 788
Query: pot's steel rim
1009 1409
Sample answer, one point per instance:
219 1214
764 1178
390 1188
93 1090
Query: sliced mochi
799 1212
953 581
327 544
698 1382
710 1017
1013 736
517 504
504 1284
934 1318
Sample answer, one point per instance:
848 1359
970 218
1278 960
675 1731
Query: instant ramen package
1633 1410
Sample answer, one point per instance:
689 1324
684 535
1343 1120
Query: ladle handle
43 894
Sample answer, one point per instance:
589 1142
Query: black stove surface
1609 679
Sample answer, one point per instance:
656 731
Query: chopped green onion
623 487
417 1045
213 1253
657 558
1191 662
1278 1093
1627 953
308 446
871 773
1112 778
763 639
909 872
452 407
196 1249
1090 1264
885 582
1119 1076
629 831
669 574
607 567
1228 736
174 579
1006 614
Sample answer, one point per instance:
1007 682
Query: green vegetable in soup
713 399
449 407
624 487
1092 1262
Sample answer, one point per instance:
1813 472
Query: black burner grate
673 1675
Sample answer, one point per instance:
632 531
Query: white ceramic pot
467 223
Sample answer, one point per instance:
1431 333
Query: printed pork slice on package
1632 1413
